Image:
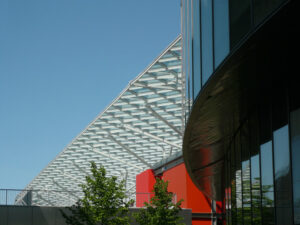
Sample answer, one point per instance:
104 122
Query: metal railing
38 197
141 198
59 198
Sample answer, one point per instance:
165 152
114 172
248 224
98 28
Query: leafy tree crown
103 202
161 209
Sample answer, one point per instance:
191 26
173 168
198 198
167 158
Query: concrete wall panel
34 215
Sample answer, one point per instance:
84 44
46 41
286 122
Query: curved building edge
245 82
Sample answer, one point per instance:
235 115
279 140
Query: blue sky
61 63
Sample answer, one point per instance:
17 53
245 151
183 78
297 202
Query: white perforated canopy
143 125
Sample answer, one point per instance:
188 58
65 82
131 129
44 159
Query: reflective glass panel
295 144
233 184
206 39
196 48
256 194
282 176
238 181
246 192
239 197
267 183
228 190
185 45
189 48
221 30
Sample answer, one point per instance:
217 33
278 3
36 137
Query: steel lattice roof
143 125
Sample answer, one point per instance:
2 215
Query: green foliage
103 202
161 209
252 205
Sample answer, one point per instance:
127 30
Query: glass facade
254 91
221 30
196 48
295 148
262 174
240 20
282 173
206 39
267 183
210 32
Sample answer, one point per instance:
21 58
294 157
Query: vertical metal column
213 213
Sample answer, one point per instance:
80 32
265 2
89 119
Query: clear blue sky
61 63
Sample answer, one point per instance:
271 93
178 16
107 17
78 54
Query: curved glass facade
210 32
262 167
242 140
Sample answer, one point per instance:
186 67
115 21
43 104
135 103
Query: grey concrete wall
34 215
30 215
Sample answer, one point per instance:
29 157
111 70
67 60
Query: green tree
103 202
161 209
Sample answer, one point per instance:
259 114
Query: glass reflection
238 181
233 185
239 197
189 48
206 39
221 30
282 176
256 194
228 190
267 183
295 144
196 48
185 45
246 192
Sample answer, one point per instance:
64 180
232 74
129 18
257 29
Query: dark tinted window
265 123
264 8
279 106
240 20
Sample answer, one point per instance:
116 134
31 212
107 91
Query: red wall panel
181 184
177 183
196 199
201 222
144 186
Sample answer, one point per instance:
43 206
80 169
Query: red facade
181 184
144 187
